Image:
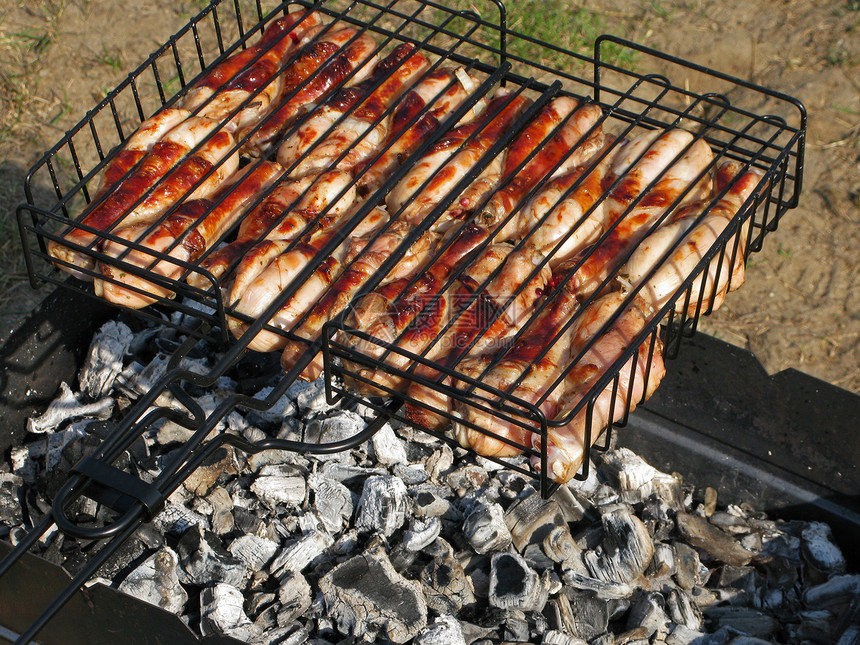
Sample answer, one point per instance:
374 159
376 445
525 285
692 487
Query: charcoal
744 620
310 397
138 379
273 417
277 490
605 590
205 560
57 441
647 613
582 613
343 425
10 508
67 407
421 533
682 611
638 480
688 567
742 578
265 458
292 634
294 596
222 462
815 626
440 462
176 519
851 636
819 550
445 630
625 551
663 562
256 552
331 500
429 501
555 637
156 581
300 553
221 517
559 546
347 543
516 627
447 589
386 447
730 523
531 519
659 517
681 635
716 543
513 485
144 542
368 598
751 542
383 504
104 358
515 585
221 612
411 475
709 502
467 478
485 529
838 590
635 636
349 474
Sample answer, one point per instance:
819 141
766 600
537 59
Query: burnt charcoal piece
294 596
206 561
222 612
387 447
176 519
156 581
383 505
429 500
447 588
68 407
745 620
647 613
532 518
583 613
625 551
421 533
256 552
276 490
445 630
104 359
332 501
715 542
10 508
688 567
515 585
300 553
221 463
833 593
368 598
819 550
485 529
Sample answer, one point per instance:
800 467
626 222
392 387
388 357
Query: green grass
560 23
112 60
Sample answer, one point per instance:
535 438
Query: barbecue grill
759 128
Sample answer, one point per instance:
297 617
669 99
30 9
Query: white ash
406 539
104 358
68 407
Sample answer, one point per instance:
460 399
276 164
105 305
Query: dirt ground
800 307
